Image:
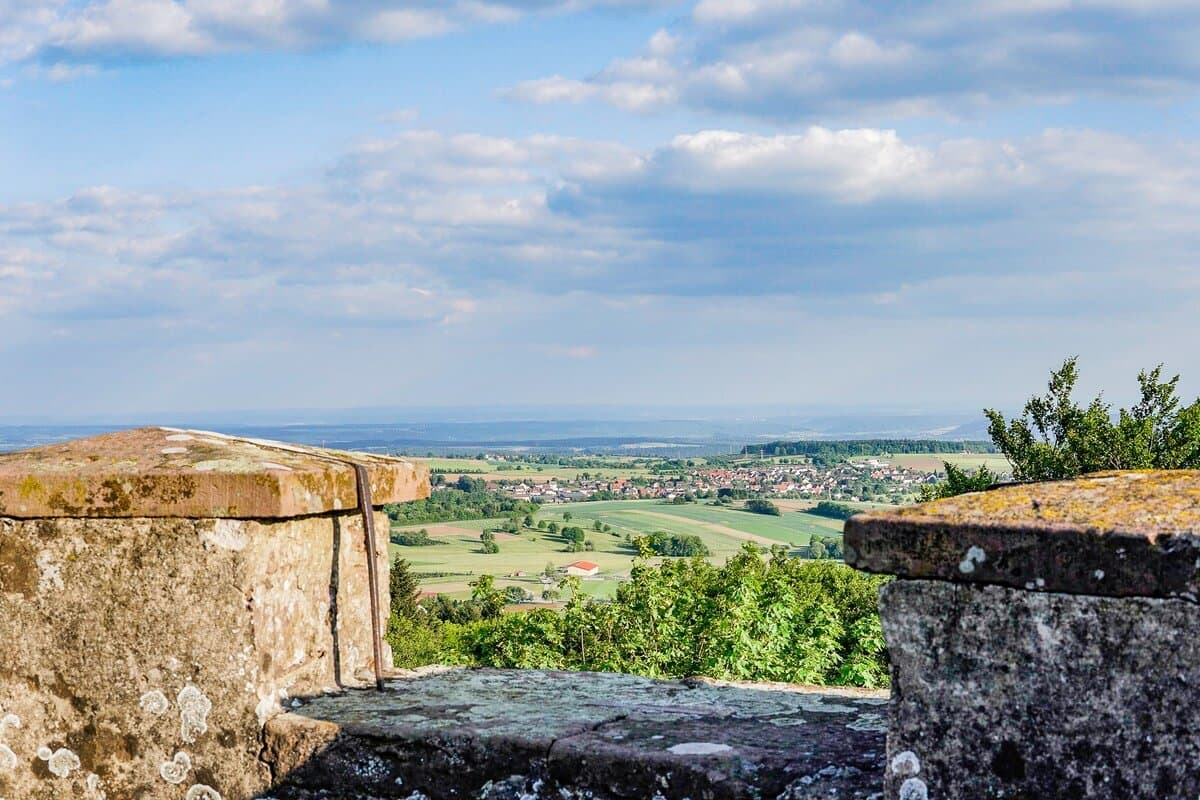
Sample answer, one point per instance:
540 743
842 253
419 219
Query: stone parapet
1043 639
491 734
146 635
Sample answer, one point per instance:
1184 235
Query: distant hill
866 447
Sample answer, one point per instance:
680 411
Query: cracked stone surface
508 734
1117 534
1004 693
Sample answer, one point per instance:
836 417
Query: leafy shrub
678 545
419 538
828 508
759 506
781 619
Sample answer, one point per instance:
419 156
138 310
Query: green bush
759 506
779 619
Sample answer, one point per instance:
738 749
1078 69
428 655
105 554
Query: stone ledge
1121 534
508 734
168 472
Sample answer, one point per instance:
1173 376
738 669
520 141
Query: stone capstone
508 734
1120 534
167 472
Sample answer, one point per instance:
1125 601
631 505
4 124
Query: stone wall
1044 639
140 656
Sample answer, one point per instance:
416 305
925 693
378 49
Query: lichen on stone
906 764
154 703
193 713
62 762
176 770
914 789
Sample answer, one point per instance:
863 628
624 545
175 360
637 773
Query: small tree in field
404 589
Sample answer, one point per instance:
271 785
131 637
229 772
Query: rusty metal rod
364 504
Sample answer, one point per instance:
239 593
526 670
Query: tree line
468 498
865 447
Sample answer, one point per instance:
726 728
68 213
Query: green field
934 461
723 530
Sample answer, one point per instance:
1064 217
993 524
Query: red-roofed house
581 569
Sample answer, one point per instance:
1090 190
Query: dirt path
715 528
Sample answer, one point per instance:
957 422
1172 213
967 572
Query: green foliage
446 505
404 587
415 643
515 594
759 506
677 545
782 620
828 508
1057 438
485 594
958 481
469 485
841 450
824 547
489 542
419 538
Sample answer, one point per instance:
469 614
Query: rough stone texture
1003 693
165 472
141 655
504 735
98 615
1113 534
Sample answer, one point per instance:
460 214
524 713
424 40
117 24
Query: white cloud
95 31
850 59
458 256
423 227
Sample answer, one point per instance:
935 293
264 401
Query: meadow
723 530
933 462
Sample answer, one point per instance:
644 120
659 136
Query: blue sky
220 204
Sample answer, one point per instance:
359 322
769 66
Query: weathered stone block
142 654
1120 534
536 735
999 692
1044 638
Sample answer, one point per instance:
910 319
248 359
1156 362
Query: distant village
872 480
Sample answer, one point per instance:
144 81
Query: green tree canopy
1056 438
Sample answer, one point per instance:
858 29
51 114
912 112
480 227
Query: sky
252 204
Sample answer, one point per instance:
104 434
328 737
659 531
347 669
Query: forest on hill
847 448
